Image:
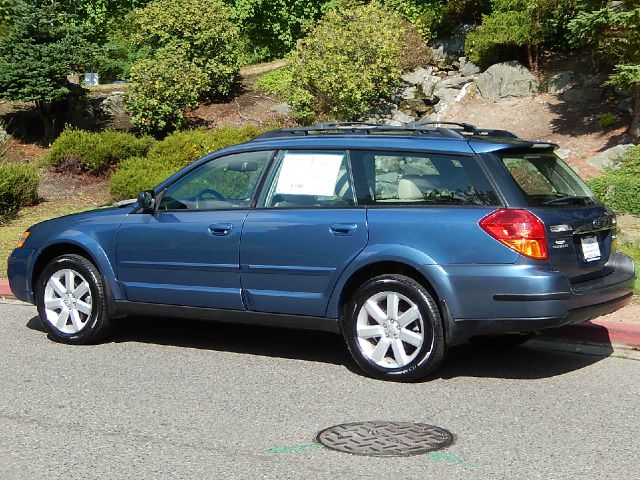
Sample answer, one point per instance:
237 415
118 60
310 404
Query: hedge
96 153
18 188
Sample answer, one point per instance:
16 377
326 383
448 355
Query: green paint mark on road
294 448
449 458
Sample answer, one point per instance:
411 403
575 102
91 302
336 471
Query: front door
187 252
305 231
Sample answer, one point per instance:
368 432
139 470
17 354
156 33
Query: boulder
402 118
507 80
447 96
429 85
625 106
453 82
469 69
606 159
561 82
417 76
281 109
414 106
409 93
583 95
114 104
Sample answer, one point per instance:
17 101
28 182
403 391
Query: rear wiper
566 199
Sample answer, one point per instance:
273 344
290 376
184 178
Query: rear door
306 230
580 231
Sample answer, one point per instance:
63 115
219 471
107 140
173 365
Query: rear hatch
580 231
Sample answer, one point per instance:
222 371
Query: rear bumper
538 308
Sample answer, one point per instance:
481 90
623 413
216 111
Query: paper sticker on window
309 174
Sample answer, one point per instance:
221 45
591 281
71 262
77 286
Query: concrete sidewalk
621 328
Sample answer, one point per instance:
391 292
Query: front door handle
220 229
343 229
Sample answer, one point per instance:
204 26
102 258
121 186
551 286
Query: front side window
547 181
388 178
225 183
302 179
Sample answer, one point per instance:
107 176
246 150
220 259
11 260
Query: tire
502 342
374 340
86 320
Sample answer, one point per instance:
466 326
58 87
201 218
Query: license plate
590 249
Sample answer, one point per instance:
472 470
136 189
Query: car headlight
23 238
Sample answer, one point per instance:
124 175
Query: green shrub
170 155
276 82
348 63
163 88
95 153
618 191
18 188
619 187
137 174
201 30
607 120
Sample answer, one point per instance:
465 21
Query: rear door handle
343 229
220 229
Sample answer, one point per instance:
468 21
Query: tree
44 44
614 34
526 24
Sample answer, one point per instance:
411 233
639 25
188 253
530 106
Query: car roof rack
360 128
440 129
467 129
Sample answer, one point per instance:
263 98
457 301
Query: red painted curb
599 332
5 291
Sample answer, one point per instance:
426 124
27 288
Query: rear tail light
520 230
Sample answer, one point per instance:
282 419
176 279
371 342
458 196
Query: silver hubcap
390 329
67 301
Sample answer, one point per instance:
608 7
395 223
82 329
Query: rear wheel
71 301
393 329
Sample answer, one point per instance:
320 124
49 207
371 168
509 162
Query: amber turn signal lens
23 238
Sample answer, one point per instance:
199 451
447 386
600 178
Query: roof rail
451 130
361 128
468 129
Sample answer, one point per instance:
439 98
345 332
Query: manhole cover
382 439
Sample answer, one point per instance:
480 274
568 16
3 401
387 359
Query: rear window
546 181
392 178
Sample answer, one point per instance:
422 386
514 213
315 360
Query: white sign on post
309 174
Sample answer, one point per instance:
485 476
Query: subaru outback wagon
406 240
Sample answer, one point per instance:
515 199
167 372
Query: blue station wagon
406 240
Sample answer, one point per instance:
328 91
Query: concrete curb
593 332
598 333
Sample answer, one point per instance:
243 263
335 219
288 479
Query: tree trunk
45 113
530 57
634 131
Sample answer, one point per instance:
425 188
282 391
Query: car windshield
547 181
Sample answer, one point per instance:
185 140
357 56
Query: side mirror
147 201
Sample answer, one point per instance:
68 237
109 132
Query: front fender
94 249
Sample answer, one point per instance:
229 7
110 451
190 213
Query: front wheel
393 329
71 301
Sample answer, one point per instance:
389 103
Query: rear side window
392 178
546 181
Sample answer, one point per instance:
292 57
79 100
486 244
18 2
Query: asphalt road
179 399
